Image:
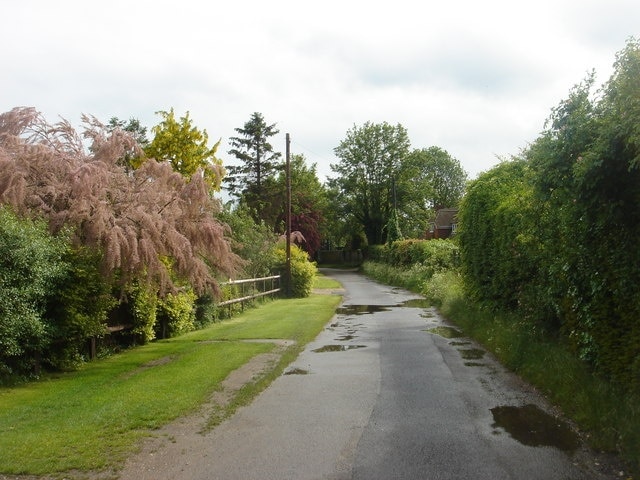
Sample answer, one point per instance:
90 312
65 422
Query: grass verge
321 281
93 418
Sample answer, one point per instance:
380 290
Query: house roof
445 217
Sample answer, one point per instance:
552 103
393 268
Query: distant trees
371 158
389 190
431 179
259 164
434 178
309 203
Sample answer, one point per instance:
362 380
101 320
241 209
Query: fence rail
254 294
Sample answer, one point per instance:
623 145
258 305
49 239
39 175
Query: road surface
386 391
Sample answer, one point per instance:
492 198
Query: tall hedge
556 233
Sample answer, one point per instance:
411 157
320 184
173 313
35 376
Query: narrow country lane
386 391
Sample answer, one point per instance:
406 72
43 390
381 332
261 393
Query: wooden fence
257 287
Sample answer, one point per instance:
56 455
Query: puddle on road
297 371
416 303
473 364
362 309
367 309
446 332
471 353
337 348
532 426
346 338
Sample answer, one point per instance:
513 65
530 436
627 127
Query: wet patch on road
336 348
415 303
472 353
362 309
446 332
346 338
297 371
532 426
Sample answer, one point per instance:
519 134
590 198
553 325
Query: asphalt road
378 396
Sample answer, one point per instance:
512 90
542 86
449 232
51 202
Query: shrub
303 271
205 311
433 255
79 308
176 313
30 264
142 304
443 287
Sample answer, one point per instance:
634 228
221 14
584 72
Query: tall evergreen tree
259 163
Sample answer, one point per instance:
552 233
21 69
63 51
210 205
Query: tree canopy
389 190
150 223
371 158
186 148
431 179
132 159
258 163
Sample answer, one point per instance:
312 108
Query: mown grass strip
323 282
93 418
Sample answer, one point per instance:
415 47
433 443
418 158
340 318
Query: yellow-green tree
186 148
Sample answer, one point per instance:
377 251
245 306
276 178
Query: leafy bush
303 271
78 311
443 288
142 303
205 311
176 313
250 240
434 255
31 262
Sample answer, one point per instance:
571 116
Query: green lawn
322 281
92 419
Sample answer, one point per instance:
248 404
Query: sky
475 78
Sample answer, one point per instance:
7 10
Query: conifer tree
259 164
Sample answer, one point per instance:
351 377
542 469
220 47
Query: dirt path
184 435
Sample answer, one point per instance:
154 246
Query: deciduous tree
186 148
309 203
137 219
371 158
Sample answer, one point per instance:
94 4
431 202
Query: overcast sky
476 78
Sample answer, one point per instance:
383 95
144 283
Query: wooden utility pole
288 217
